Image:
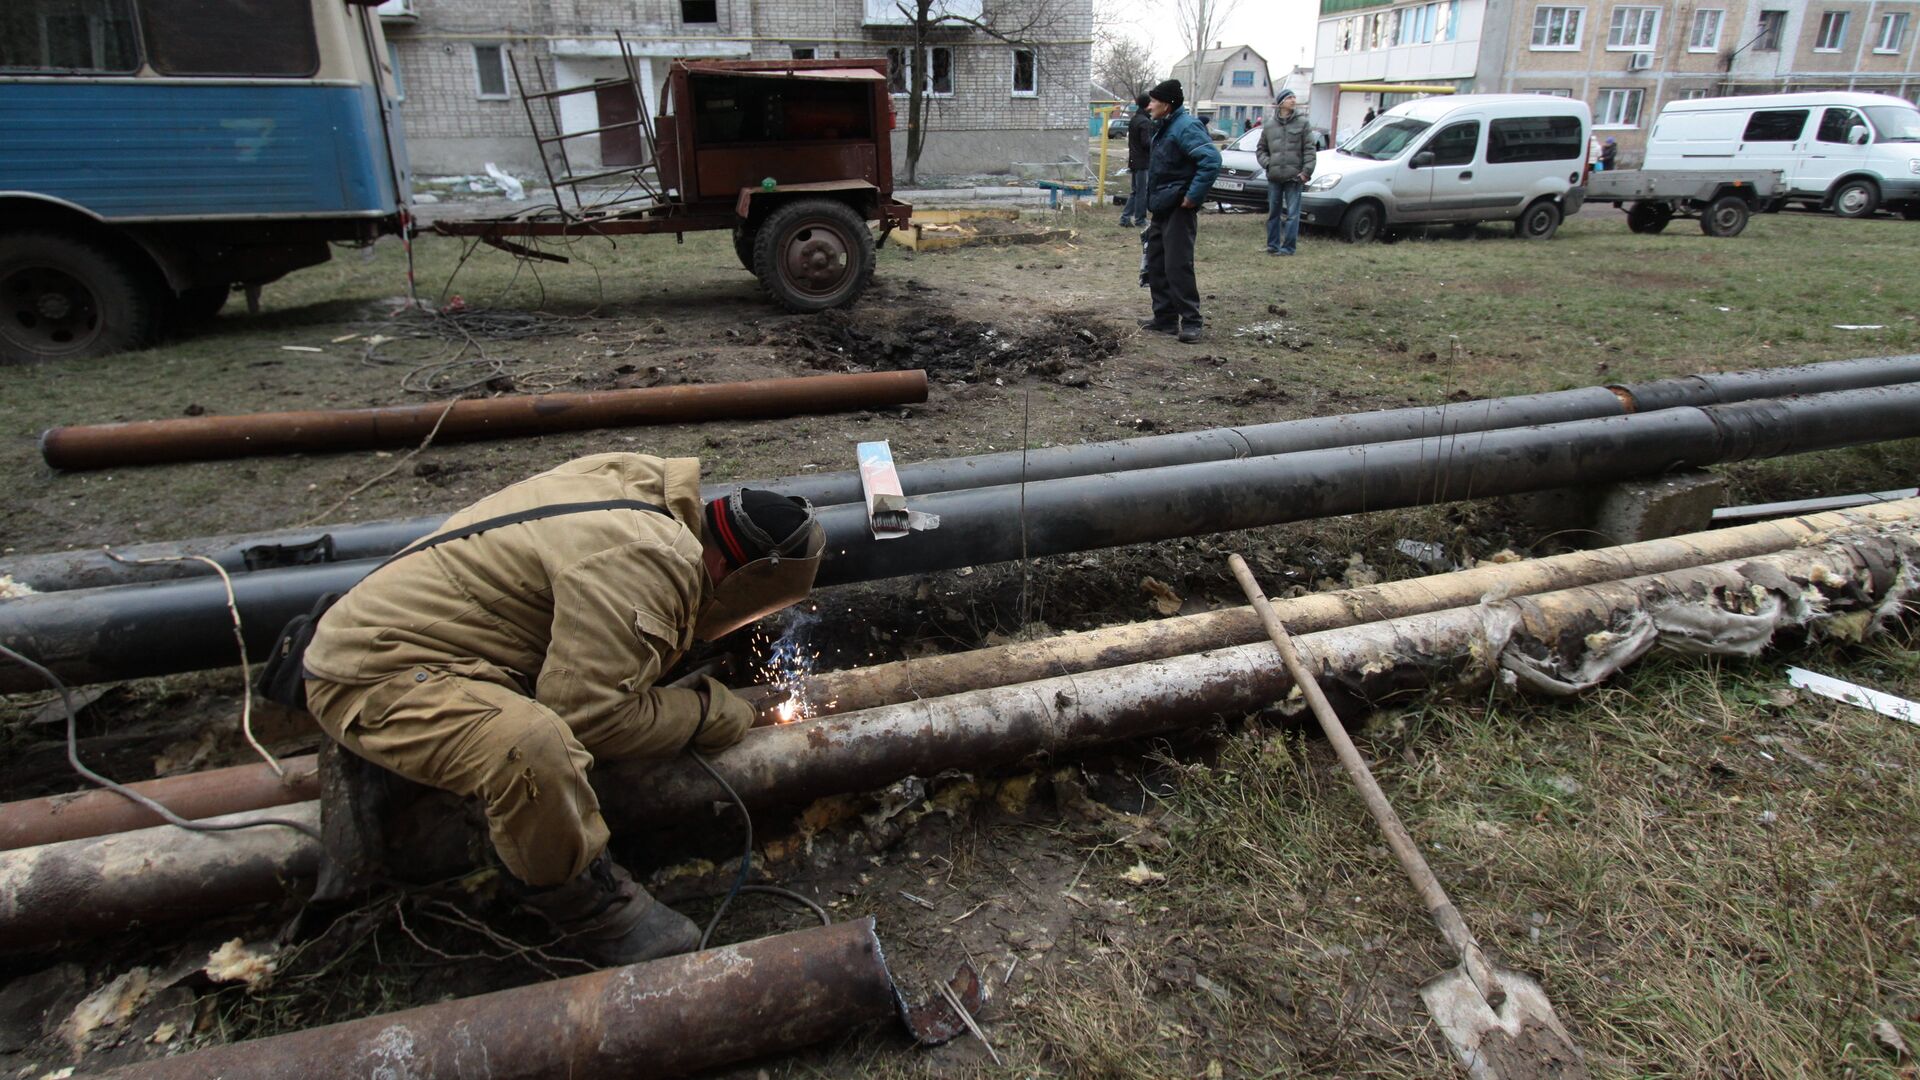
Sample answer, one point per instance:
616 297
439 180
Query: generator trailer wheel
1726 217
814 254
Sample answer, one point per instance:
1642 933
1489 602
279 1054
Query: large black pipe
123 632
347 543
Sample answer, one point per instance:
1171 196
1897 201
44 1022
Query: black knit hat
1169 92
1141 101
751 524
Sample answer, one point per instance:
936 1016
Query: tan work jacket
586 610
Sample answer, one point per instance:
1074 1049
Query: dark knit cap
1284 95
751 524
1141 101
1169 92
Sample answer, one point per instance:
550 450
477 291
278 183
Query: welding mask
777 580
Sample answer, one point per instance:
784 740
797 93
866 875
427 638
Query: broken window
939 61
490 71
94 36
262 38
699 11
939 71
899 71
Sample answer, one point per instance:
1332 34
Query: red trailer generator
793 156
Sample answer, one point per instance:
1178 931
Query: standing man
1139 146
1286 152
501 664
1180 171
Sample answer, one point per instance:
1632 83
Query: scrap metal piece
934 1021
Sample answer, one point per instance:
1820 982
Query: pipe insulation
30 822
156 628
206 438
86 887
672 1017
56 571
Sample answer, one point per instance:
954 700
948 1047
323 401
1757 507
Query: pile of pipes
77 867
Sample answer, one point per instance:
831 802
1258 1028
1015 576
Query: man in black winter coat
1139 151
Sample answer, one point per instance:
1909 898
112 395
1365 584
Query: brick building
1625 59
992 102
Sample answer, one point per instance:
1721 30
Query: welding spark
786 666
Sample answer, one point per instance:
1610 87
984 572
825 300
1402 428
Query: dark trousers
1170 240
1136 208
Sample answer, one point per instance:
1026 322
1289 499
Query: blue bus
156 155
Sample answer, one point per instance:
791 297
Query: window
939 71
1552 93
699 11
1634 28
1893 28
1343 36
393 65
1243 78
1775 125
1534 138
1557 27
1695 95
1026 81
1837 124
1773 25
1706 30
1454 145
490 71
801 53
232 37
93 36
1833 32
1618 108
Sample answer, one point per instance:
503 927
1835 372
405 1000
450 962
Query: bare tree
1122 63
929 23
1199 21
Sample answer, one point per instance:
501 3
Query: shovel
1500 1022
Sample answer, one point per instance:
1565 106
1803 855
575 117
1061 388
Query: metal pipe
670 1017
83 888
32 822
164 627
345 543
1762 511
203 438
93 886
252 787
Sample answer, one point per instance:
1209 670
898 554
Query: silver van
1456 160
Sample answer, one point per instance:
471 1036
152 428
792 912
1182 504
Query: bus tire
63 298
1727 217
1856 199
1538 222
814 254
1648 217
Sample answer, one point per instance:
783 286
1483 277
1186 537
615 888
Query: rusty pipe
665 1018
83 888
94 886
216 792
250 787
1027 661
202 438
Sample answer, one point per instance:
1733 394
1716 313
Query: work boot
608 919
1159 327
1190 332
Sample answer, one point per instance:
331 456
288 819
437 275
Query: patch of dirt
952 349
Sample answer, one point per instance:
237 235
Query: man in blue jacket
1180 171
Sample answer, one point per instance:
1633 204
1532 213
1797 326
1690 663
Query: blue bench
1055 187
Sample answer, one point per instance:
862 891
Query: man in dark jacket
1139 147
1286 152
1180 171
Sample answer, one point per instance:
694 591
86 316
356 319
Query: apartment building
1229 86
1625 59
990 101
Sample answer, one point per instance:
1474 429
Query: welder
501 657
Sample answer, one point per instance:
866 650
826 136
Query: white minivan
1456 160
1851 153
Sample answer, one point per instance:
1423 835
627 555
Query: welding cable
171 818
746 862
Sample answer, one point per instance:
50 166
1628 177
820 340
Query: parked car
1242 182
1456 160
1117 127
1845 152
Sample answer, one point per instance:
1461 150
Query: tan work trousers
465 727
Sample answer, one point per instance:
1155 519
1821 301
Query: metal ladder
639 190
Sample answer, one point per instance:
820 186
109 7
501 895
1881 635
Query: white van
1456 160
1851 153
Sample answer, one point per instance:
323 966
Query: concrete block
1635 510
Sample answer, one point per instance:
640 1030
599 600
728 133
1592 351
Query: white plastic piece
1841 690
513 189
